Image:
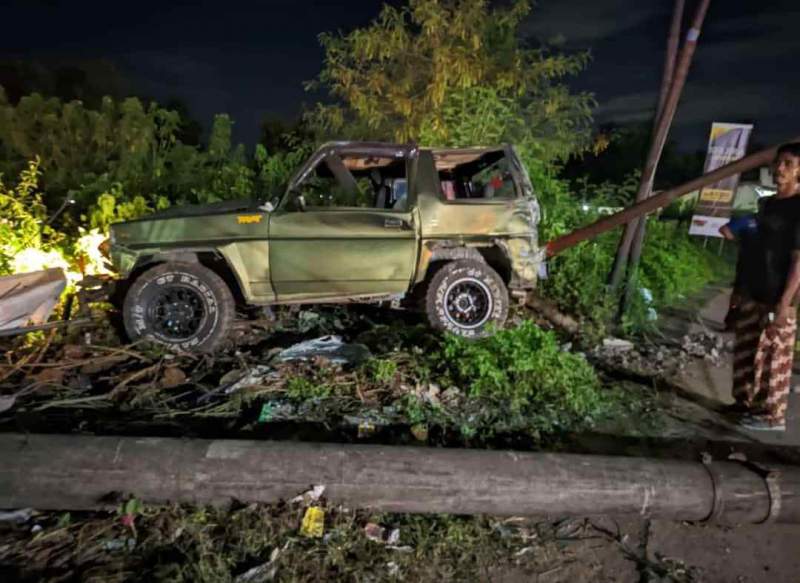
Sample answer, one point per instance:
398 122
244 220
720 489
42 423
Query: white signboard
707 226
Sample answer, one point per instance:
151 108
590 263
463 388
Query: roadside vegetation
259 543
400 77
69 171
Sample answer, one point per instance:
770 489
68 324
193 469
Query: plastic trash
7 402
311 495
265 571
374 532
17 516
330 347
380 534
253 377
313 524
617 344
273 411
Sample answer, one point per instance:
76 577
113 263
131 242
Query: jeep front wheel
467 298
184 306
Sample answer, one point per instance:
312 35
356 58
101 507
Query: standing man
765 319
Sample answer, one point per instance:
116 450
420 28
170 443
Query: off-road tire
184 288
468 298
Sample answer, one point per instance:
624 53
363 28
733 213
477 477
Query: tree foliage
451 72
126 158
23 219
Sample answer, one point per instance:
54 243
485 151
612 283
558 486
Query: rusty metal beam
660 200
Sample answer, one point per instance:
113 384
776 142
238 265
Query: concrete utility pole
80 471
677 74
660 200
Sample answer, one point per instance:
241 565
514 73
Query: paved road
714 382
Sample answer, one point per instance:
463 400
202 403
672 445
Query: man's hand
783 313
784 308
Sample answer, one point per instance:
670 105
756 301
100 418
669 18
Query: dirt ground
661 550
751 553
593 549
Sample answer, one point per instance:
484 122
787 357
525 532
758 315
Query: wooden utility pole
677 72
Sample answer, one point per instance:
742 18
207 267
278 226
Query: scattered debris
7 402
28 299
309 496
118 544
660 360
374 532
380 534
236 380
172 377
272 411
313 525
617 344
706 345
20 516
329 347
264 572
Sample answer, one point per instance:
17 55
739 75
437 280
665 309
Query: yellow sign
249 219
716 195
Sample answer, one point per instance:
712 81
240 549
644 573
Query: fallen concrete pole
71 472
660 200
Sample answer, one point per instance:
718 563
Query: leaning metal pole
79 472
659 200
660 136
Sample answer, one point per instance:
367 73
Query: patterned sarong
762 360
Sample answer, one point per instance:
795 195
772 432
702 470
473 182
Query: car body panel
341 252
338 253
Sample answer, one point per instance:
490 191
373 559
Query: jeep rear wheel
184 306
467 298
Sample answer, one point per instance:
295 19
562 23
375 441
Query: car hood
198 210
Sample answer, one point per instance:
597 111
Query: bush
523 372
27 242
125 159
673 264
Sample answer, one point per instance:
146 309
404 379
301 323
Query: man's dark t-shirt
765 254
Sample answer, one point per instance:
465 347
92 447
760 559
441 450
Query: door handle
393 223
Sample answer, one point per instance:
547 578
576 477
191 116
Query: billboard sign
727 143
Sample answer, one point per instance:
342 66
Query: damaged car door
342 231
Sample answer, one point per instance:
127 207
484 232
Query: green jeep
453 231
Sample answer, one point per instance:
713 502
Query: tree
451 72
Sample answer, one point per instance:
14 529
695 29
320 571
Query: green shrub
300 388
523 371
673 264
27 242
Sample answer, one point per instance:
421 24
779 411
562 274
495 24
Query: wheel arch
441 252
210 258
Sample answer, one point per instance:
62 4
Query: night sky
250 59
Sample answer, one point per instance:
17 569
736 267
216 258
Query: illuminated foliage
451 72
130 152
